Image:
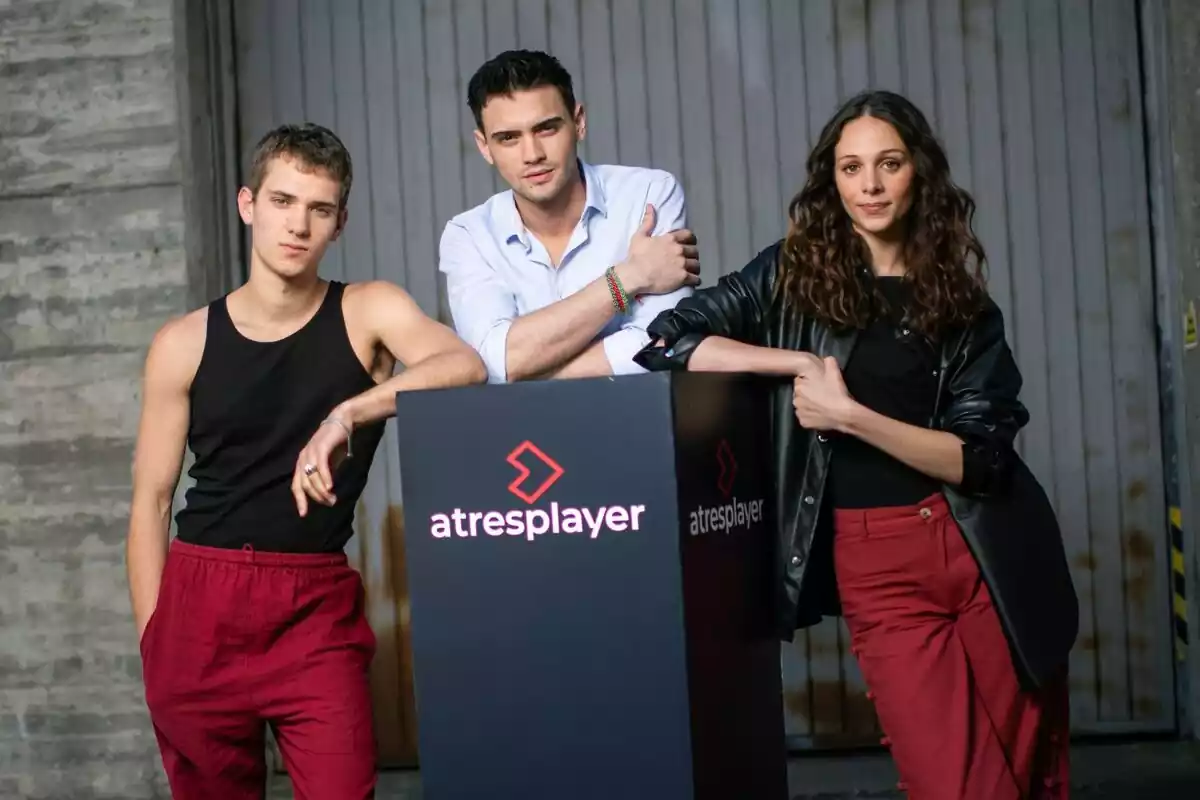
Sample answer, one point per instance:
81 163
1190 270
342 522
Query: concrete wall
91 263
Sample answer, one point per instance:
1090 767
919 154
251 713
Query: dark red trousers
937 664
242 639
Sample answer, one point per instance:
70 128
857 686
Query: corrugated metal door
1038 104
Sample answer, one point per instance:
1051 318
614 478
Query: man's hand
313 474
659 264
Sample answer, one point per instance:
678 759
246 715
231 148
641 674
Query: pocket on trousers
144 639
366 633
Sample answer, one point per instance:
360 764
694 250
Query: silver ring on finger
309 469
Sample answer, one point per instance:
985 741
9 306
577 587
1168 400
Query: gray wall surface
1176 177
91 262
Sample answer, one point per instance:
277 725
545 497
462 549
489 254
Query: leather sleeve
983 409
733 309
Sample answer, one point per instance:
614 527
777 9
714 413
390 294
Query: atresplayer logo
533 522
732 514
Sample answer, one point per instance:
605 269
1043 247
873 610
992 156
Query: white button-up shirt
497 271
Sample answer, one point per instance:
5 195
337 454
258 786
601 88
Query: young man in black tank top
252 617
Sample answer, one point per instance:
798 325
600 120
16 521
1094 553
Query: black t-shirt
893 370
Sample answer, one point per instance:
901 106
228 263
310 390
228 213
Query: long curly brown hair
824 265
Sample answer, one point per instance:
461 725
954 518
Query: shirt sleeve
481 305
666 195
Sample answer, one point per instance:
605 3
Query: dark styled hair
823 260
515 71
314 146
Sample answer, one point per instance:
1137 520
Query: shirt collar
509 219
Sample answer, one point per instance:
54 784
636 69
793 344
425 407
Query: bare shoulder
177 347
378 297
388 317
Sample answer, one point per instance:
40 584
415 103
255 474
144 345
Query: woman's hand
820 397
807 365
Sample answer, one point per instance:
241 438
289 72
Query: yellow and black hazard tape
1178 593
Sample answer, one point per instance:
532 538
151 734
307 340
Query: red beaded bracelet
619 297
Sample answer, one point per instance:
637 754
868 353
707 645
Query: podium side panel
722 465
545 589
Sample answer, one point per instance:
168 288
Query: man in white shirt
559 276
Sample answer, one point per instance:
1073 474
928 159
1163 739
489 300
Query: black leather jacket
1005 516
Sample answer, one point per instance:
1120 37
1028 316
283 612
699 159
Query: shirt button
797 561
821 438
808 500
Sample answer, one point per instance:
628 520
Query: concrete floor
1109 771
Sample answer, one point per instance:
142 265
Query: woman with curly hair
899 500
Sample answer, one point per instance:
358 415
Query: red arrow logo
556 471
728 465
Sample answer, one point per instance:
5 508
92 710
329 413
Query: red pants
937 664
242 639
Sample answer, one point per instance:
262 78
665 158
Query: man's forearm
145 556
459 368
544 341
591 363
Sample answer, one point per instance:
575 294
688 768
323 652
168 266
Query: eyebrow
895 151
315 204
547 122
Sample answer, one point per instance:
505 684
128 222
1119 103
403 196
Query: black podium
589 572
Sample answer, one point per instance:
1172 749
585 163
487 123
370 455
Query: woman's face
874 173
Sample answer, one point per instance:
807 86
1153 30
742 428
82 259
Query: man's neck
276 300
556 218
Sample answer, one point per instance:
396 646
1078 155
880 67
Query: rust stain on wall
391 672
796 703
1084 561
834 717
1138 546
1147 707
1139 554
860 717
397 572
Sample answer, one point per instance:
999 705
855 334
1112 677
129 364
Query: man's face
531 137
293 217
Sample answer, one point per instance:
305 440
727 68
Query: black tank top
254 405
